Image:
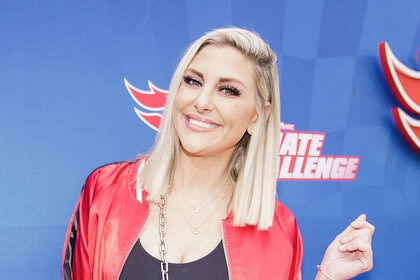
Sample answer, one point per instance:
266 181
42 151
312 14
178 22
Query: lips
195 122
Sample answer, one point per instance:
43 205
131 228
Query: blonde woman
202 204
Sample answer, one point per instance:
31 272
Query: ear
251 128
267 112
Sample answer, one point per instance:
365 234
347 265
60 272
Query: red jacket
108 220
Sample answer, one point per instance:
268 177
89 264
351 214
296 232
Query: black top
141 265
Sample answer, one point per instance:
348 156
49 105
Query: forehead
226 50
225 61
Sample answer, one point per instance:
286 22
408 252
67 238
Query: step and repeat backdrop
73 75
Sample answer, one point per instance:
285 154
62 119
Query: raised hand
350 254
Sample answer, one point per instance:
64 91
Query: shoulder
281 211
108 176
284 220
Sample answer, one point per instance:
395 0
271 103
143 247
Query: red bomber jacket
109 217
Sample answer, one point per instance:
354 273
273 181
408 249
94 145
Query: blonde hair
252 167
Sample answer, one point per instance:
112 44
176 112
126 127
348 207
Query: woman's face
215 103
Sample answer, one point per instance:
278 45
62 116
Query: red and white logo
405 84
301 158
153 101
300 152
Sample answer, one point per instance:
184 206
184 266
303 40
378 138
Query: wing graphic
408 126
151 119
153 100
404 82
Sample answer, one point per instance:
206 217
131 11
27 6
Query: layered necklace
194 225
195 228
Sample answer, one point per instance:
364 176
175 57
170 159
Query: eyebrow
223 79
194 72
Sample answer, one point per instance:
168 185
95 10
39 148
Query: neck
200 174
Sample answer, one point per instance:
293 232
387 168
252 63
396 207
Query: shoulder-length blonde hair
253 164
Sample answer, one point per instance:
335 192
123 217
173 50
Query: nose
204 100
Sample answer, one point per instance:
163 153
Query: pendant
195 230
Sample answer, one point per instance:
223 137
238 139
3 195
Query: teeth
202 124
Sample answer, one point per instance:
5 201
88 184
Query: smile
202 124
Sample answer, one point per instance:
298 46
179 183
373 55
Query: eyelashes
227 90
191 81
230 90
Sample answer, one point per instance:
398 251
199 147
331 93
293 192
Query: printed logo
405 84
153 101
300 152
301 158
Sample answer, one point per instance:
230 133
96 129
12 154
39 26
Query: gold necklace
195 228
196 210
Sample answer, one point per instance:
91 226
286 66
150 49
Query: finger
362 217
361 243
366 232
361 222
353 225
358 239
363 252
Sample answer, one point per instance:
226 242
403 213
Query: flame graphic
153 100
405 84
408 126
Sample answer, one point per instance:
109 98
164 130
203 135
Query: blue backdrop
64 110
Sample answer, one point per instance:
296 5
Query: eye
191 81
229 91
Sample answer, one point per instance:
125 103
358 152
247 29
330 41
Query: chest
140 265
185 238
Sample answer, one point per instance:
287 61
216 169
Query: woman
202 204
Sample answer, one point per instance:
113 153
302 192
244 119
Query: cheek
240 123
248 116
179 103
182 99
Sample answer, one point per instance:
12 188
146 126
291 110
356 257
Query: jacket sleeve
298 255
80 234
286 222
